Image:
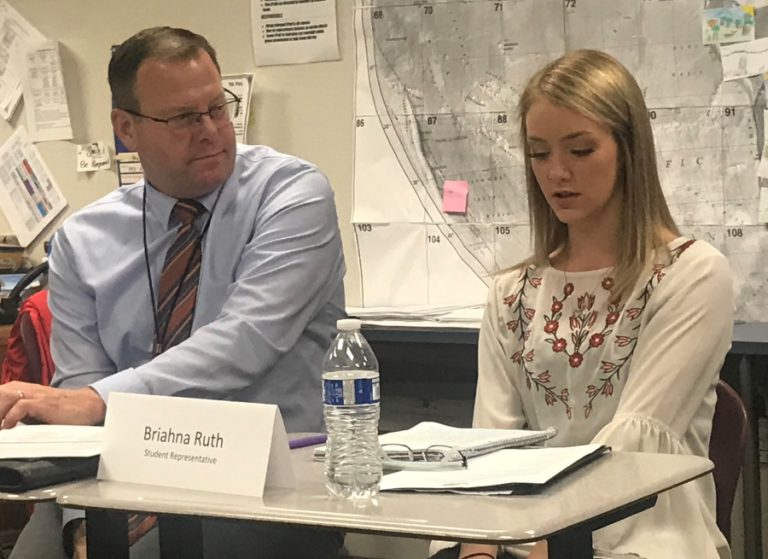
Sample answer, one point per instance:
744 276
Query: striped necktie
175 309
178 282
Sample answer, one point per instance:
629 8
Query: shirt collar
160 205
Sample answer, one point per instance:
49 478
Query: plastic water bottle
351 408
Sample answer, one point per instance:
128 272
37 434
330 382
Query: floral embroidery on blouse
514 302
579 334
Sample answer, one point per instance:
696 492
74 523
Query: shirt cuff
123 381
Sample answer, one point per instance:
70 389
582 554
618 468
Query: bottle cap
348 324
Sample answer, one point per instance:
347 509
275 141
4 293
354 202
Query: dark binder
531 488
17 476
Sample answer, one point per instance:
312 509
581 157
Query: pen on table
311 440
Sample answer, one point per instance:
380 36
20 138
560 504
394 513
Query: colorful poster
29 195
728 25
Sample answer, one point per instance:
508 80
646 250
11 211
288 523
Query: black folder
17 476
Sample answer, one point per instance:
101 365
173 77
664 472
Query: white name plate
205 445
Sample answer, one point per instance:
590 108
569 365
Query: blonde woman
615 329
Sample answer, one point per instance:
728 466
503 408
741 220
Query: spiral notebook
470 442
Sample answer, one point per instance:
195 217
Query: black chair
9 306
730 435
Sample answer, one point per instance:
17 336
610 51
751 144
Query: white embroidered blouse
639 375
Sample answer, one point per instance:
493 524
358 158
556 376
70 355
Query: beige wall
306 109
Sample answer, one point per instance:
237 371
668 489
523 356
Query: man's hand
23 401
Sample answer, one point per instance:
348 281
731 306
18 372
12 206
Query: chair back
30 342
730 435
28 356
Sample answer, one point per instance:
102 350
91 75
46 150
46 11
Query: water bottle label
350 392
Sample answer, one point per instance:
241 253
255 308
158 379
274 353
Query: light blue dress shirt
269 295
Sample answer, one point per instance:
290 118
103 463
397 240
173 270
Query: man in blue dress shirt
270 283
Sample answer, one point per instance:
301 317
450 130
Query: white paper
92 157
428 433
29 195
15 32
535 466
45 98
293 32
129 169
742 60
754 3
205 445
241 85
50 441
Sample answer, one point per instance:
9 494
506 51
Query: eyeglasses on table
436 457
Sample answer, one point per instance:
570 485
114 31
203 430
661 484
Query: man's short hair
163 43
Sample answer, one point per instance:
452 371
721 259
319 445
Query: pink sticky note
455 197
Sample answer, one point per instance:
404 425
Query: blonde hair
597 86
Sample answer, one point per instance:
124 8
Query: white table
41 494
566 513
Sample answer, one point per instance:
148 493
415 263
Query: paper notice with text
293 31
241 85
15 33
45 98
